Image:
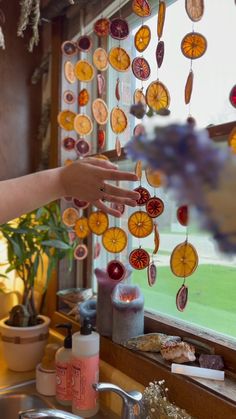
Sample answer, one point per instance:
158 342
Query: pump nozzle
68 338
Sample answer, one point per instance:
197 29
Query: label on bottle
85 372
63 381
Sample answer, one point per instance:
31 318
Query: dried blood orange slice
144 195
140 224
98 222
232 96
182 215
80 203
69 97
139 97
81 252
101 137
84 43
141 68
139 259
119 28
152 274
232 140
141 8
66 119
82 147
100 59
154 177
118 147
83 97
139 130
138 170
194 9
101 27
69 48
188 88
97 250
83 124
184 260
69 72
116 270
114 239
157 96
70 216
160 51
100 111
119 59
68 143
193 45
142 38
118 120
82 228
182 298
161 18
117 89
154 207
84 71
156 239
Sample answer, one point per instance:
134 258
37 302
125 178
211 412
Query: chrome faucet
131 400
46 413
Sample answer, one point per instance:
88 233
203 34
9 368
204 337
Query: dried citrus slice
80 204
182 298
69 48
152 274
84 71
139 169
97 250
69 97
101 84
119 59
84 43
141 8
116 270
100 59
101 27
70 216
101 137
154 177
81 252
161 18
139 97
66 119
140 224
139 130
119 28
139 259
141 68
182 215
160 51
82 147
83 124
118 147
193 45
114 239
184 260
144 195
117 89
232 96
154 207
232 140
188 88
83 97
157 96
142 38
194 9
100 111
69 72
156 239
118 120
68 143
98 222
67 162
82 228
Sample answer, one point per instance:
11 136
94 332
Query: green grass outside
212 296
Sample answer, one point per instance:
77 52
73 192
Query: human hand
87 180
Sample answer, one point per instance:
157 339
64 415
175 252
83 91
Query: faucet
46 413
131 400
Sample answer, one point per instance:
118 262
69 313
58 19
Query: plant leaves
57 244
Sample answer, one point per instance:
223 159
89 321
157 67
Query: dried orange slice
142 38
83 124
144 195
154 207
118 120
140 224
139 169
98 222
139 97
114 239
66 119
184 260
157 96
232 140
84 71
70 216
81 252
82 229
100 111
193 45
101 27
188 88
161 18
194 9
141 68
69 72
100 59
119 59
139 259
69 48
154 177
156 239
83 97
141 8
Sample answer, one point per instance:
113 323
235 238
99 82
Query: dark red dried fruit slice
84 43
97 250
141 68
182 298
182 215
119 28
82 147
101 138
232 96
101 27
116 270
154 207
139 259
69 48
81 252
160 51
144 195
117 89
69 97
68 143
152 274
80 204
141 8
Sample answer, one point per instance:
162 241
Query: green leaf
57 244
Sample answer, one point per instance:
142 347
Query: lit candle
208 373
128 312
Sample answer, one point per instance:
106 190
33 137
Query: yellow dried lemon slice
83 124
119 59
100 111
118 120
140 224
69 72
114 239
184 260
157 96
84 71
66 119
100 59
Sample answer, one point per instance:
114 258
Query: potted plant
29 239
